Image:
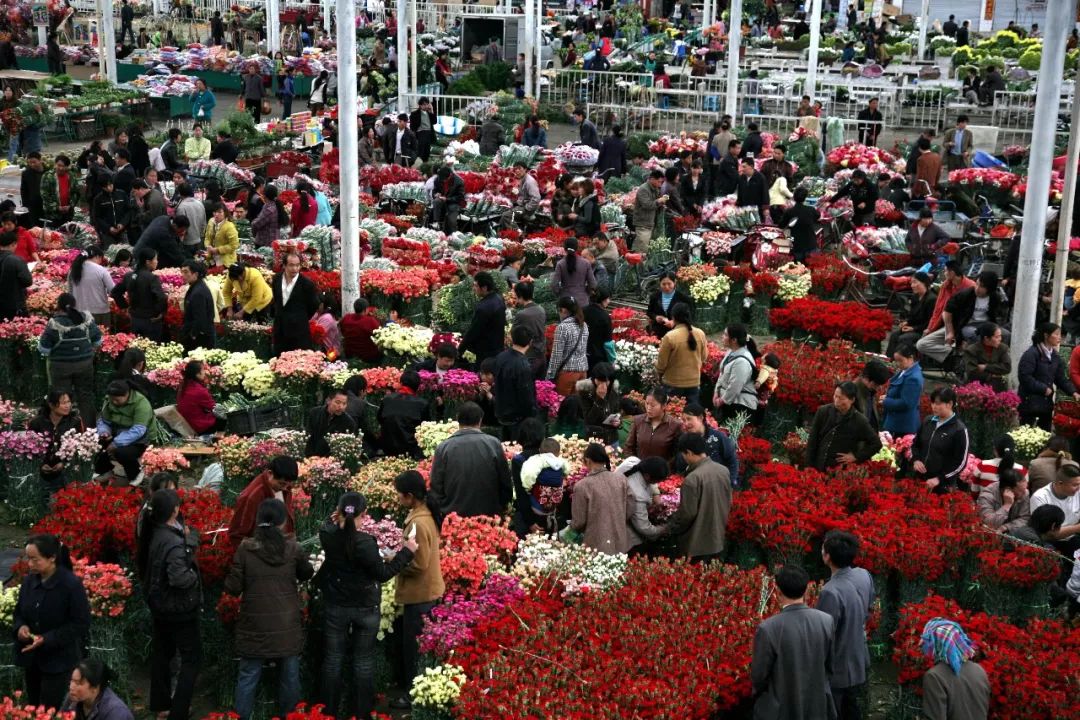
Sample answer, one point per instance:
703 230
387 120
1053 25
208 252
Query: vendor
247 294
194 401
329 418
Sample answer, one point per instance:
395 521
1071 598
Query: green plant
468 85
992 61
637 144
963 56
1031 60
494 76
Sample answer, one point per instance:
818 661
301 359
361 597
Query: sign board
986 17
40 13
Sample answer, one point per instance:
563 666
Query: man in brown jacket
700 522
927 170
275 482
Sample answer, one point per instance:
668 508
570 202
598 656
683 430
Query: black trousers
48 689
170 637
128 457
424 138
255 108
846 701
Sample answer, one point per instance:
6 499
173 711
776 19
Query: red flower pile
406 252
377 177
466 544
831 320
406 283
829 274
1067 419
809 374
576 661
1032 669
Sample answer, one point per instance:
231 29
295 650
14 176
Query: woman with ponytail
569 359
349 579
305 209
68 343
51 618
265 572
602 504
165 560
1005 505
573 276
735 390
683 351
91 284
420 584
990 469
266 226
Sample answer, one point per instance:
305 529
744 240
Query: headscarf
945 641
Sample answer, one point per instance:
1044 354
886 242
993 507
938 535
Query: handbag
566 380
266 107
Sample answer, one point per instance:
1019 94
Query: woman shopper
683 352
131 368
194 401
901 401
203 103
956 686
145 297
1005 505
89 694
601 505
51 618
221 239
326 318
165 560
663 302
420 584
600 403
1040 371
573 276
1044 467
69 342
586 211
266 228
54 418
530 435
91 283
569 362
642 480
265 573
305 209
735 391
349 579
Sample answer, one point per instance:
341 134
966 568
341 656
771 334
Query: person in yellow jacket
247 287
221 238
420 584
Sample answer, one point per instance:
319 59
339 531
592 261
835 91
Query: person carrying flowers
602 505
277 481
542 478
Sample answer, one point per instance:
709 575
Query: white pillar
1058 15
414 55
841 17
273 26
734 28
107 49
706 13
402 53
348 133
538 46
327 8
530 35
815 46
924 25
1068 208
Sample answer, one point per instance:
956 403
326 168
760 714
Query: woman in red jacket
194 401
305 209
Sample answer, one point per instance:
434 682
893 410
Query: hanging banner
986 17
40 13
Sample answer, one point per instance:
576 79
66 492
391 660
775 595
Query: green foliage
620 185
637 144
468 85
1031 60
992 61
1005 38
455 304
494 76
963 56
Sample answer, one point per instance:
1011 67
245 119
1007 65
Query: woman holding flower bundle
602 505
265 573
50 619
89 694
420 584
221 239
683 351
165 560
642 480
568 362
349 579
68 343
55 418
663 302
956 688
266 227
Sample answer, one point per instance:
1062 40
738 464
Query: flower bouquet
576 155
21 452
437 690
430 434
636 363
347 448
163 459
989 414
1030 440
672 145
851 156
402 343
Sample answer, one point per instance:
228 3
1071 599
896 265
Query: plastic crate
253 420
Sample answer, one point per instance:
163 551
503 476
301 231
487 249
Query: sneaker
103 478
138 479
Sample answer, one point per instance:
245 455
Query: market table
172 106
22 80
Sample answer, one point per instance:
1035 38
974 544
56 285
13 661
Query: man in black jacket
30 189
217 29
870 123
969 308
198 328
840 434
729 170
14 278
400 414
170 152
801 221
404 142
125 177
752 144
863 194
224 149
486 333
875 375
752 191
295 301
515 388
925 238
449 196
163 236
329 418
111 213
422 122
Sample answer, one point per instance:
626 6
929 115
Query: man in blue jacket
721 448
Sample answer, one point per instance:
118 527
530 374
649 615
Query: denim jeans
364 622
247 684
412 625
